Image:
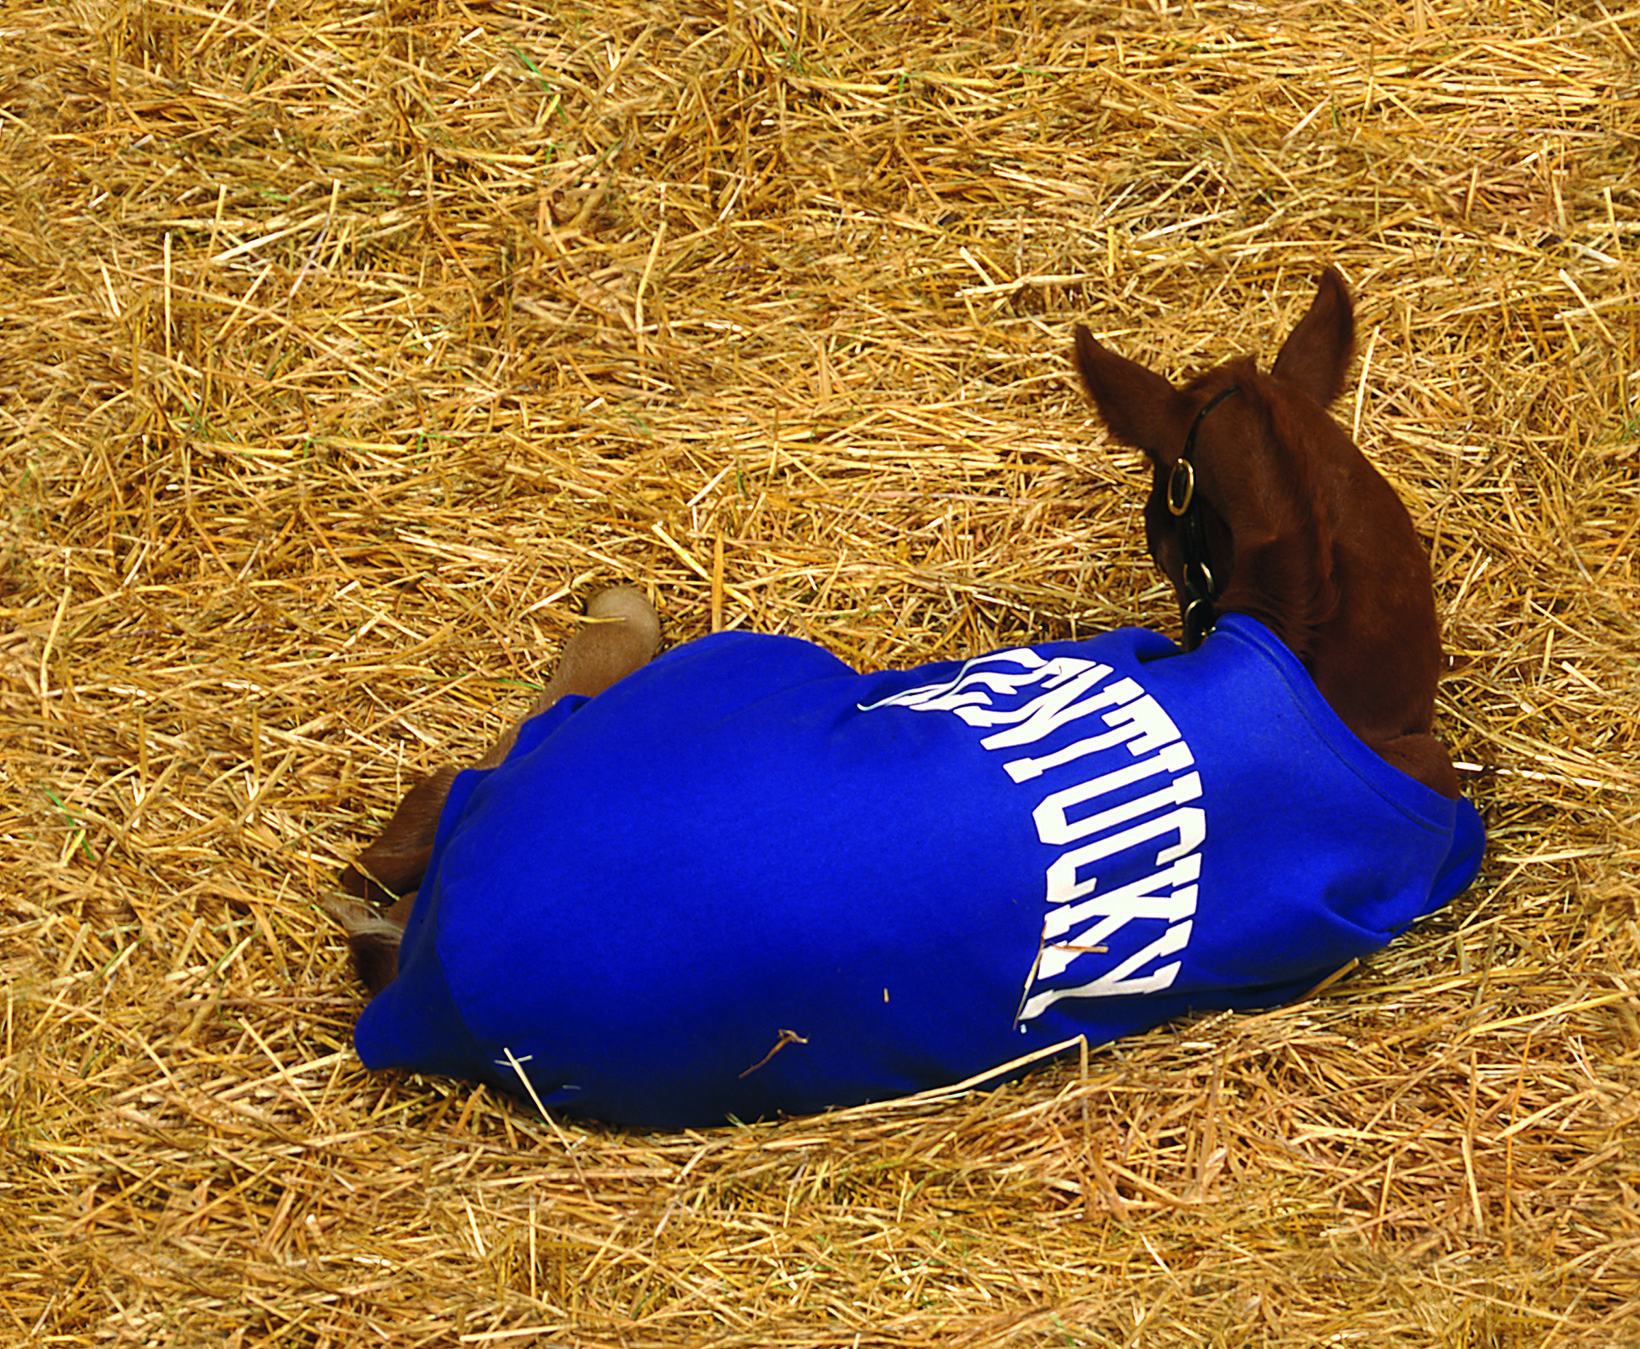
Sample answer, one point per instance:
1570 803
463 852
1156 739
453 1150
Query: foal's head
1299 530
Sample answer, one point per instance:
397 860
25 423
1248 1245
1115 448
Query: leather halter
1196 606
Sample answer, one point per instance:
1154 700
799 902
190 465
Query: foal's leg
390 870
1425 758
597 656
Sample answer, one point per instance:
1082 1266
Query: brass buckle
1179 497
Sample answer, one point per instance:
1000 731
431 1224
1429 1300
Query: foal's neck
1325 555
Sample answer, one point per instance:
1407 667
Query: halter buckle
1181 487
1196 604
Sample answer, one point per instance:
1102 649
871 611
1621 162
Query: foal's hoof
629 606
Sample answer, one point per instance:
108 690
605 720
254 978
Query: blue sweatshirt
747 881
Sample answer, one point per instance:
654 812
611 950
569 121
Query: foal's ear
1317 353
1139 407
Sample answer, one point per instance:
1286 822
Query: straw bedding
345 349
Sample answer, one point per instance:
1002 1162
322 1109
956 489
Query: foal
743 880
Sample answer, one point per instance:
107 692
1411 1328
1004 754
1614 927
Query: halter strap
1200 588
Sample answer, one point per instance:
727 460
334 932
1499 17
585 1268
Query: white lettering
1055 960
1053 824
1138 899
1028 698
1190 822
1047 712
1141 723
1115 982
966 685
